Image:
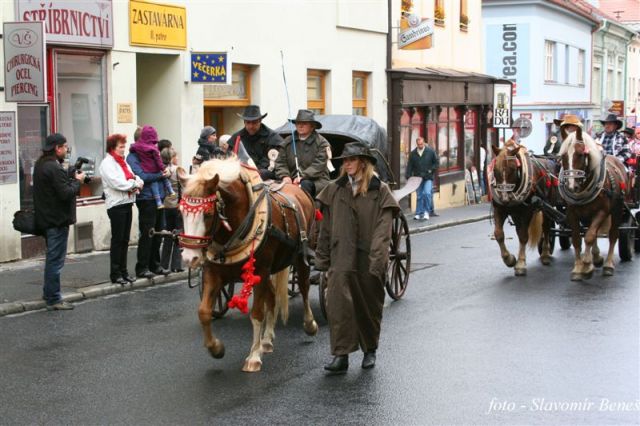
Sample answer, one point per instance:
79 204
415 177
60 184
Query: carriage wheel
565 242
399 258
626 240
293 282
322 293
221 302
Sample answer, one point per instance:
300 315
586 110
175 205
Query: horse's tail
535 229
281 284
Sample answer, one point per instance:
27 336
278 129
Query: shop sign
157 25
617 108
71 22
24 62
508 56
8 169
415 33
502 106
125 113
210 67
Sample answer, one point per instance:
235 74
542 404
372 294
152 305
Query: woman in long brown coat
353 246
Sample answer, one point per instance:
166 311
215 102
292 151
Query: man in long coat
312 150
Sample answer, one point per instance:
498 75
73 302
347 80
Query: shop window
33 128
464 15
359 88
316 82
411 127
448 126
470 122
581 63
438 12
238 93
80 87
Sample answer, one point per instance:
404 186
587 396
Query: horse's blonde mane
228 170
595 156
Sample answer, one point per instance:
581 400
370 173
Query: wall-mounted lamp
115 64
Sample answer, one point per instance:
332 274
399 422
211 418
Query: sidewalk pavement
87 275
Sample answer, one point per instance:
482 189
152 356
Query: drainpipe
390 124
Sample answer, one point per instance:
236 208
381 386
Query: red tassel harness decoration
241 300
319 215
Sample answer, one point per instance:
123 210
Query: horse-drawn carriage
580 194
339 130
238 227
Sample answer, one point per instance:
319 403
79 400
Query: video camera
77 168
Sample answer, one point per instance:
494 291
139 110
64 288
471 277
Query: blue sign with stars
210 67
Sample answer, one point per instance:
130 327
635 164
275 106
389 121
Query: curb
90 292
427 228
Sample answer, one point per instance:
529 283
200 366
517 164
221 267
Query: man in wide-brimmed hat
257 139
568 124
613 142
312 152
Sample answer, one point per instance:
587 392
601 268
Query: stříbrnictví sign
157 25
24 62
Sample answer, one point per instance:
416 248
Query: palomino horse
231 217
593 187
515 178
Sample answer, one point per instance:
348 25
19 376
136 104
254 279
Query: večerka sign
24 62
88 23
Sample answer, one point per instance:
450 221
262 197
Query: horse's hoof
588 275
607 271
576 276
217 351
510 260
252 366
598 261
520 272
311 328
546 260
267 347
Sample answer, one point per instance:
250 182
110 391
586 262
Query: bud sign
502 105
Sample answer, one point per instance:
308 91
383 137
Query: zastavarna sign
157 25
24 62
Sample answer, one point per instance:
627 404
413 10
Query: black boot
369 360
340 364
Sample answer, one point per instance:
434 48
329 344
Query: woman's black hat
357 149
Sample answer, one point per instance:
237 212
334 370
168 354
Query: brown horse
515 178
593 187
231 216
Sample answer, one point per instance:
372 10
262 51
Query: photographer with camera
54 197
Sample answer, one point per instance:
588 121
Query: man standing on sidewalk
423 161
54 198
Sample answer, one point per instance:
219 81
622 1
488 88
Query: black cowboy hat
306 116
356 149
629 131
612 118
252 112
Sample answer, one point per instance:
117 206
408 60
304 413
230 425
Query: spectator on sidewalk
171 257
120 187
149 216
353 246
54 198
207 148
423 162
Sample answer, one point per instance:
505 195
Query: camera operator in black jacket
54 197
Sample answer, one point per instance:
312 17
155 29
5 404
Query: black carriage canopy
341 129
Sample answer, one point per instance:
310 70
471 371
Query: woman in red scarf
120 187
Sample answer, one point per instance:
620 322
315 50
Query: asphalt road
469 344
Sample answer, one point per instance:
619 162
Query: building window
620 79
238 93
316 81
80 108
359 88
580 65
464 15
449 126
438 12
596 79
33 128
567 53
549 61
